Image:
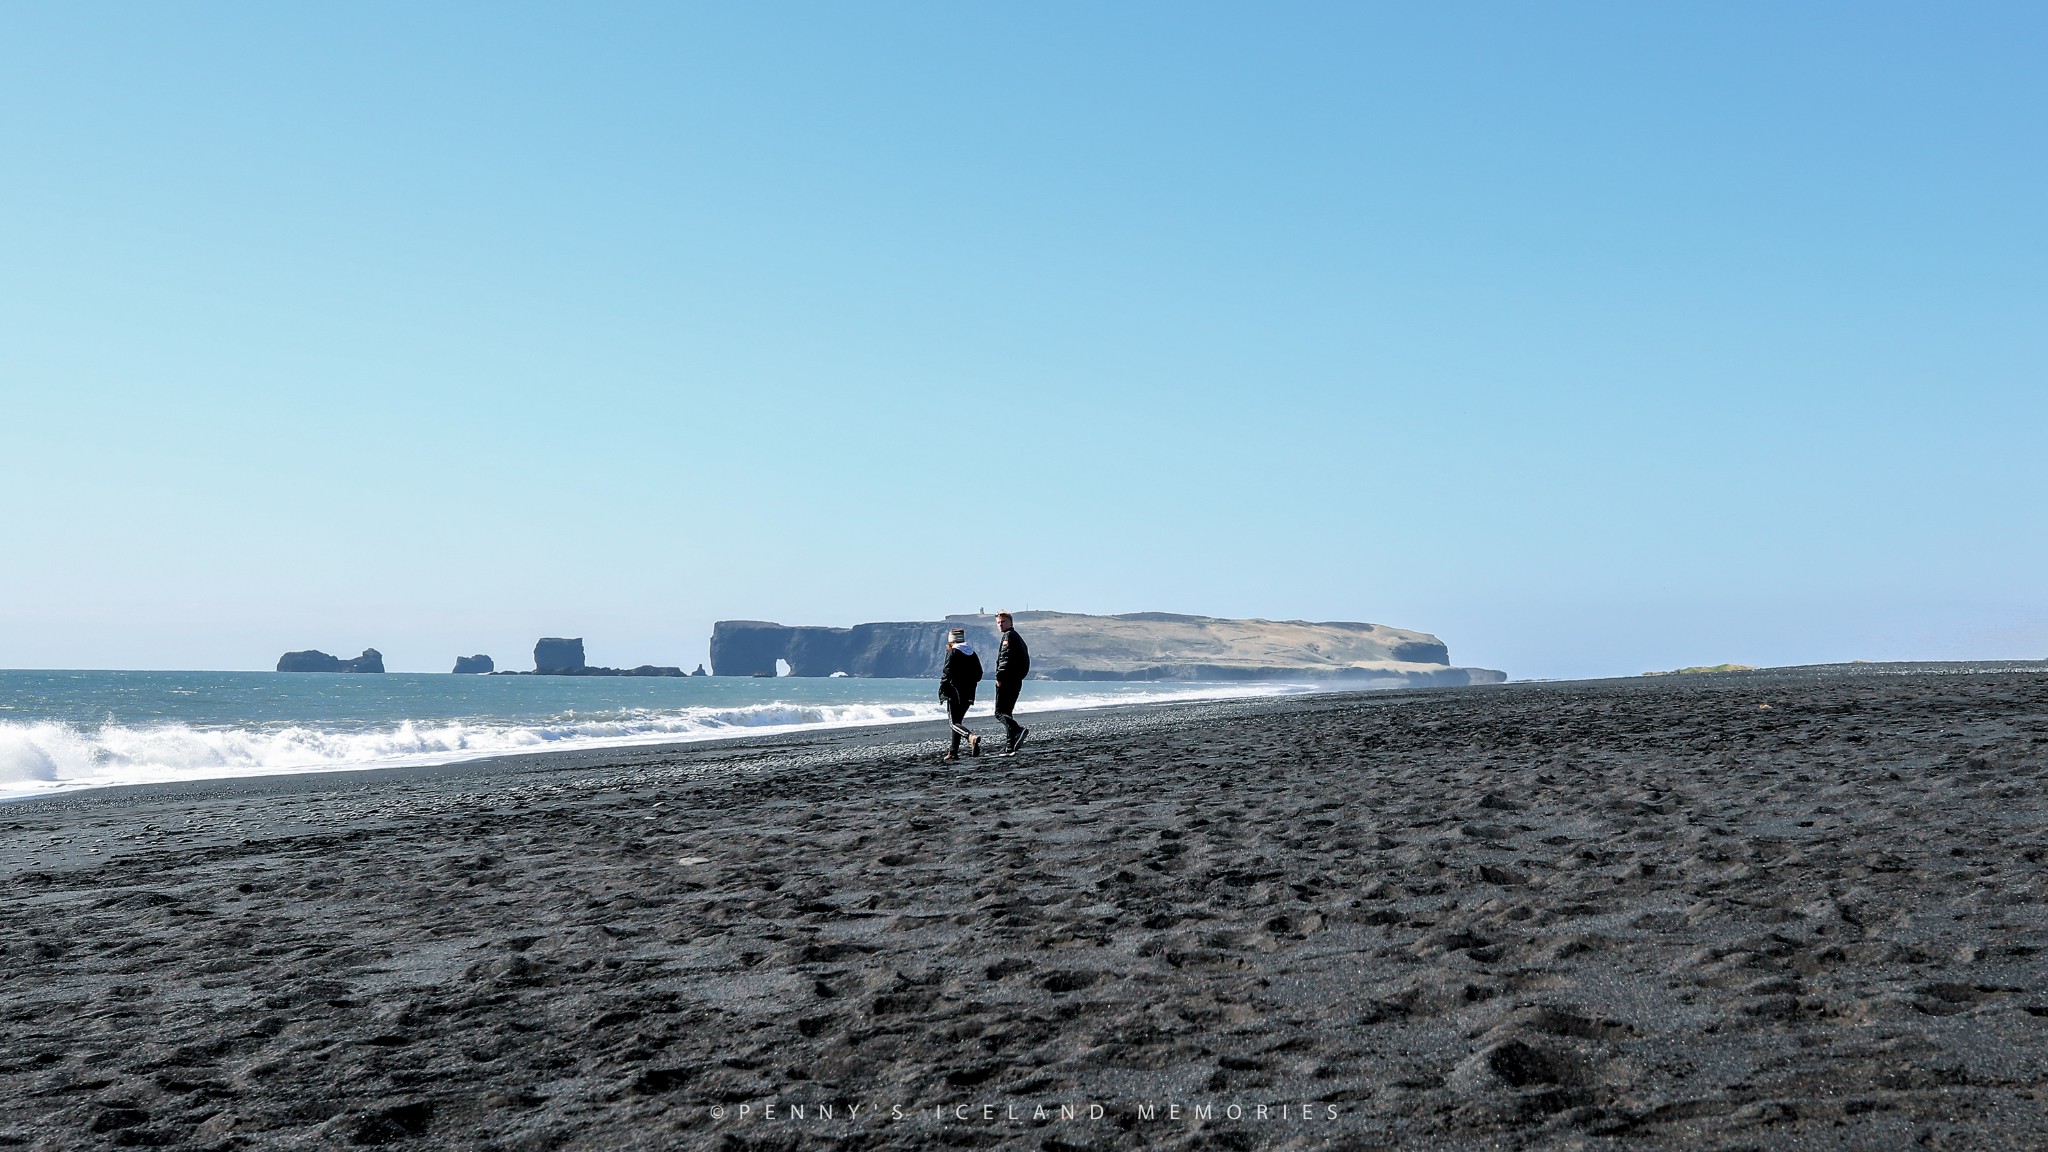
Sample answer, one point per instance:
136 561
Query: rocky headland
315 661
1133 646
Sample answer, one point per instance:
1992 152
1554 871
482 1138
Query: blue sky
1592 338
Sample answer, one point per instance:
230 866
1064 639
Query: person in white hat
957 683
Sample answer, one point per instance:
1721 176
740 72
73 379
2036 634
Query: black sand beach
1756 910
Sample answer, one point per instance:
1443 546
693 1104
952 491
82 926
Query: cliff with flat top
1133 646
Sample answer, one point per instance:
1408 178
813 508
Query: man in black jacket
1013 664
957 683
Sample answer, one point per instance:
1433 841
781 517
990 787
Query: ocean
67 730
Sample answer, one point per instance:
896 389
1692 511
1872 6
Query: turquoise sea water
61 730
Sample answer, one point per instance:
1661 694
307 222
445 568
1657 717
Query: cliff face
751 648
1135 646
315 661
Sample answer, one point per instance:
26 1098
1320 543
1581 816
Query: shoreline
633 748
1638 913
64 755
854 733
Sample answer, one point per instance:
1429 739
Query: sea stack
554 656
313 660
478 665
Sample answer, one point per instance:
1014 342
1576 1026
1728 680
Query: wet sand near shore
1749 910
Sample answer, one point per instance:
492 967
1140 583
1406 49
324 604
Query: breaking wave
42 757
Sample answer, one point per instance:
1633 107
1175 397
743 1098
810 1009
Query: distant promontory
313 661
1133 646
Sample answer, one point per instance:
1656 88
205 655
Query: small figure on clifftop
1013 664
957 683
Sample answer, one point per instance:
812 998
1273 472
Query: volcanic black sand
1792 910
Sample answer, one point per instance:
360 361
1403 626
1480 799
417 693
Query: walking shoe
974 745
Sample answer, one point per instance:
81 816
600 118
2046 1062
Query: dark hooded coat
961 675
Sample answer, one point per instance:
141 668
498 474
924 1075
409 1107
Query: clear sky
1593 338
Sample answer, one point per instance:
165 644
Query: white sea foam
42 757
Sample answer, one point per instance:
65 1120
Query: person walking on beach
957 683
1013 663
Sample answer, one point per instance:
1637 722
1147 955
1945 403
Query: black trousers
1006 703
956 712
